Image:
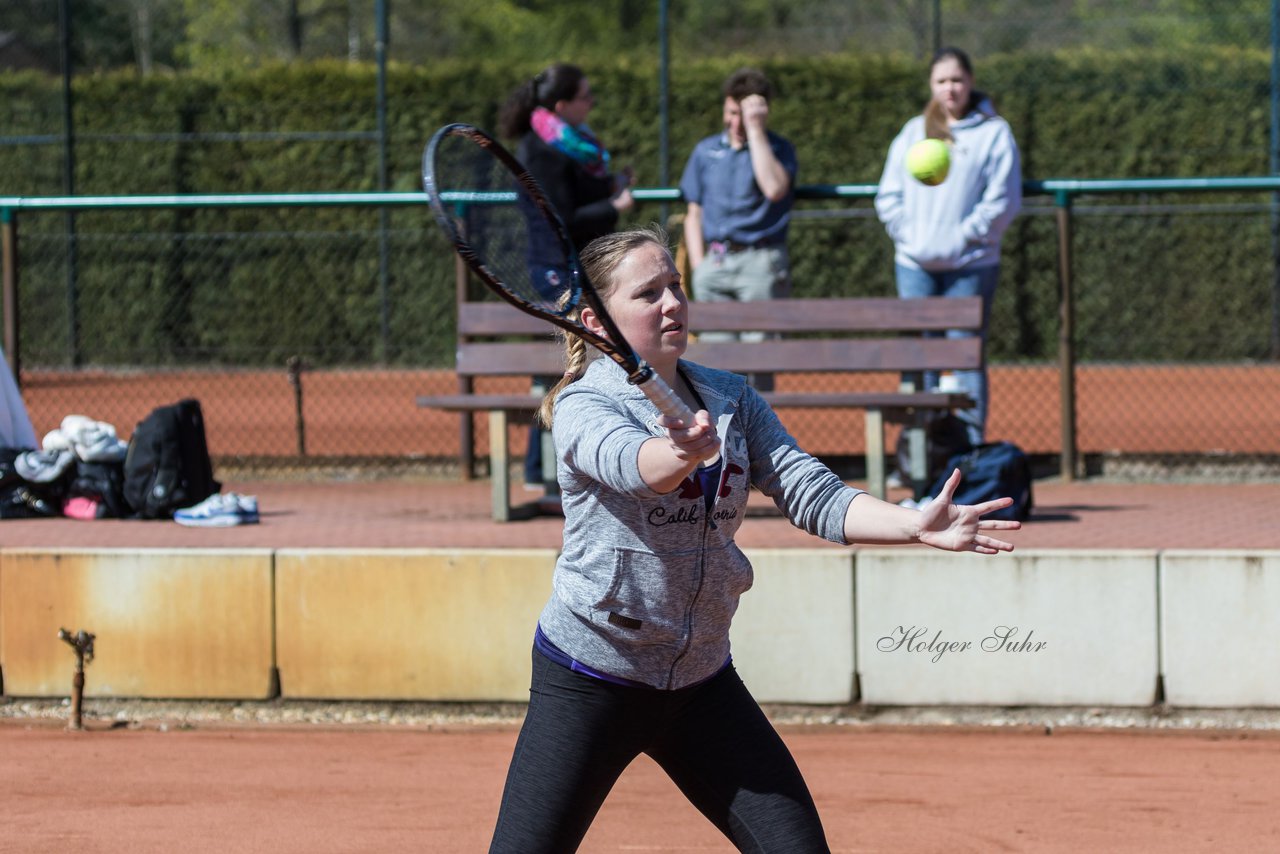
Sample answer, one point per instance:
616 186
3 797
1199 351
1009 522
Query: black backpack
167 466
989 471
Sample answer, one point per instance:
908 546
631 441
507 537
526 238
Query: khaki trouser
744 276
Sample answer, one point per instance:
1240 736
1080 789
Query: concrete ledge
180 623
1220 629
438 624
1092 628
793 634
1033 628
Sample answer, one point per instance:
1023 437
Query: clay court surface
212 787
901 790
203 787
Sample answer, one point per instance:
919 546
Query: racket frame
613 344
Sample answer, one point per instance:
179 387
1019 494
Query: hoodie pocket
931 246
648 596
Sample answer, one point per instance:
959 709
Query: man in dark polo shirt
740 186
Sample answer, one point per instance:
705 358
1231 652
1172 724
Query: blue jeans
913 283
549 283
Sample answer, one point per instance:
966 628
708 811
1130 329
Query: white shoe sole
226 521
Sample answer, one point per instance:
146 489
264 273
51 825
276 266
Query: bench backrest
819 335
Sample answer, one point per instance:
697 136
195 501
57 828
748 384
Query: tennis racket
511 237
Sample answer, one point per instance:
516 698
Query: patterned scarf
577 143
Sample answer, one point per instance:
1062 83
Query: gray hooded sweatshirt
957 224
647 584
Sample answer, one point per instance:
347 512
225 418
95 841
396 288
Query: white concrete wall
793 634
1047 628
453 625
1220 628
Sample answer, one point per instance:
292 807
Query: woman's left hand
959 527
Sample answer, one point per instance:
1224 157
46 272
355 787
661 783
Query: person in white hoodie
947 237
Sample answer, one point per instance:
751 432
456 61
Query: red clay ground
328 790
325 789
321 789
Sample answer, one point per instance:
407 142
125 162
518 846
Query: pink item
80 507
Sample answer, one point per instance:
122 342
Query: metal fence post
1066 338
9 227
466 429
1275 170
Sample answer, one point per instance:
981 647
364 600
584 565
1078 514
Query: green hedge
253 286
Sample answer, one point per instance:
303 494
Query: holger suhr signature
917 639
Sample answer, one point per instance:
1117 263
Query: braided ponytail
575 360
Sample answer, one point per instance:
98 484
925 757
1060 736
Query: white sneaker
248 508
218 511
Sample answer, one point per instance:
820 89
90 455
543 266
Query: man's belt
728 247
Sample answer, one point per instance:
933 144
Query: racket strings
505 226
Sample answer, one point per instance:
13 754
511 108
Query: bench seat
805 336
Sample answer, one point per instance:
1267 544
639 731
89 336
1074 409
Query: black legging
712 740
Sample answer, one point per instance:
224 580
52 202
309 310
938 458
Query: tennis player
631 654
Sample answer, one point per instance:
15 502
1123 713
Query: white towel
92 441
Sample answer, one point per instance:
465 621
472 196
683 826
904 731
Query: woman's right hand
692 443
665 462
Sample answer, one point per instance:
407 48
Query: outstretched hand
959 527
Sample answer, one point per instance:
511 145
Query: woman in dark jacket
548 115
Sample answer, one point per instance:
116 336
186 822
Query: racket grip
656 389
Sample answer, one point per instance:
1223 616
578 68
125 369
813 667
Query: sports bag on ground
991 471
167 466
945 436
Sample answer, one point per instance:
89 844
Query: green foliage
256 285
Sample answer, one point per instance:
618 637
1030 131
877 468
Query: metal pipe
465 385
82 643
1066 341
384 215
664 106
69 185
937 26
294 367
9 270
1275 169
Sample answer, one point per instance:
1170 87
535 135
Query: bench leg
917 444
499 466
550 483
875 453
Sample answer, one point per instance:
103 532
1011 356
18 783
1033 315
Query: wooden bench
807 336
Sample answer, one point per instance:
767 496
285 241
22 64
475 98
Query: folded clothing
44 466
91 441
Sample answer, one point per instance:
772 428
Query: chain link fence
334 378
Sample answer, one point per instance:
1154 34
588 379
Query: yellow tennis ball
928 161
